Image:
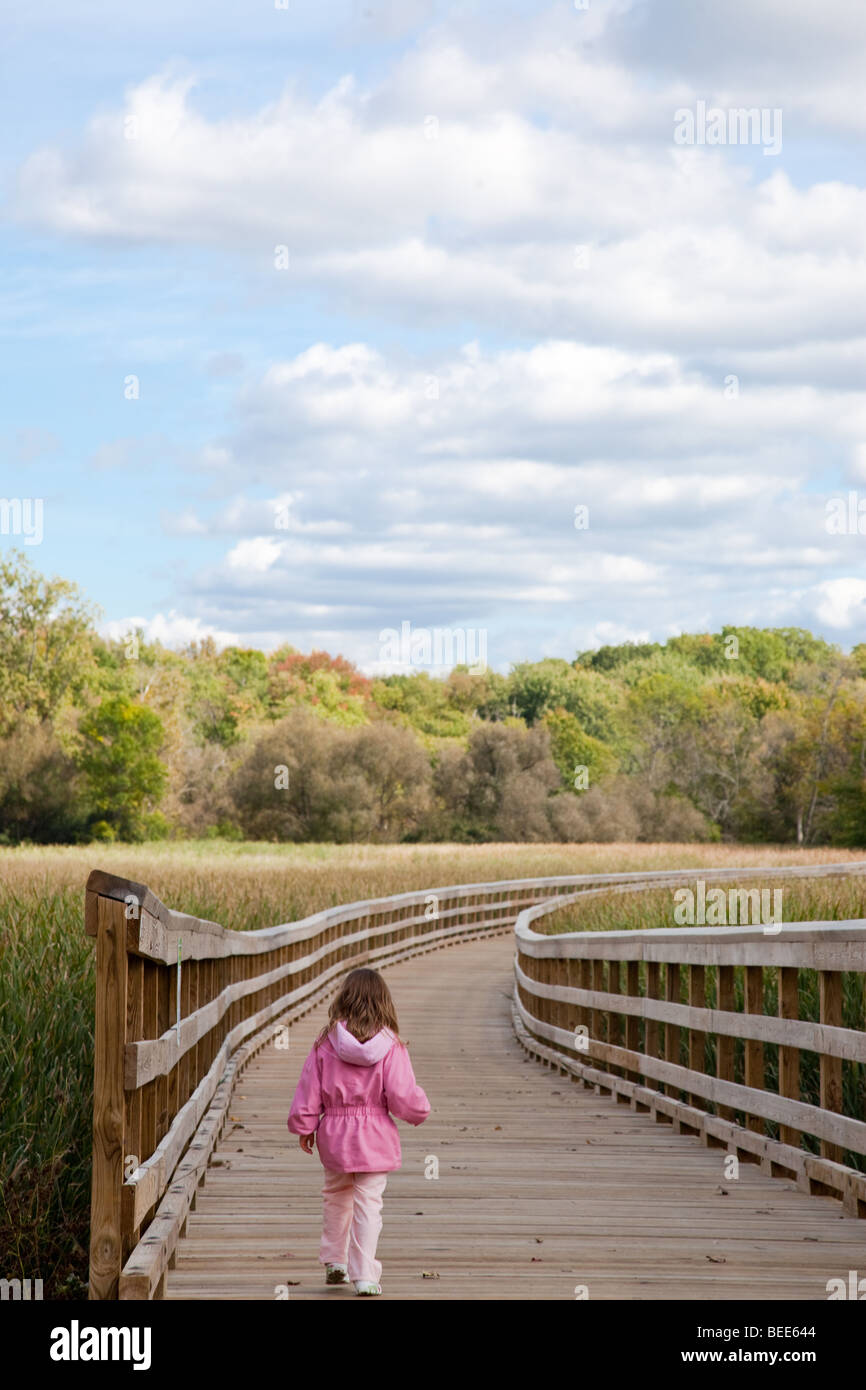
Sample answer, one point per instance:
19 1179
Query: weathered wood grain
106 1238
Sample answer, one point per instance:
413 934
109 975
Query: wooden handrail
569 1008
163 1074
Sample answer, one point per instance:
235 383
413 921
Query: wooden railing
182 1005
609 1008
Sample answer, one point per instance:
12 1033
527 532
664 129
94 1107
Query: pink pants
351 1222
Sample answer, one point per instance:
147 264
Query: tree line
746 734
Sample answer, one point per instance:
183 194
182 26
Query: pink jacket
344 1094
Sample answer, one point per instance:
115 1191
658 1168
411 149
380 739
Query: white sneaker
336 1274
366 1288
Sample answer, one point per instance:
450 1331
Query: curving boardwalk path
542 1185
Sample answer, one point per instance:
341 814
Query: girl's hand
306 1142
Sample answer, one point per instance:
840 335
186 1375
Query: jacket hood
365 1054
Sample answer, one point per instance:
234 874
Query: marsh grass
46 1069
47 983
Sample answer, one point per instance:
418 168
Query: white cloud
695 501
541 145
841 603
171 630
608 634
518 415
256 555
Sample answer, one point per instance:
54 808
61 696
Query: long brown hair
364 1005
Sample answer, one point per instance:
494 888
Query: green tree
119 756
210 699
424 703
537 686
612 658
573 748
658 710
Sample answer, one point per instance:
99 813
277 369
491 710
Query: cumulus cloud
841 603
171 629
538 180
459 507
255 555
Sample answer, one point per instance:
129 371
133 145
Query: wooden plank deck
543 1186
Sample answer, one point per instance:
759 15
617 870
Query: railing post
632 1022
789 1057
651 1030
725 1001
597 1017
672 1030
561 1008
151 1092
163 1014
548 1006
753 1003
584 1015
614 1020
106 1235
830 987
575 1016
697 1039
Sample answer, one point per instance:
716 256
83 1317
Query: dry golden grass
248 885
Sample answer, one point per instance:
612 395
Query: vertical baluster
697 1037
149 1096
597 1017
171 1090
672 1030
614 1020
651 1027
725 1000
163 1006
183 1091
789 1057
632 1021
830 990
754 1004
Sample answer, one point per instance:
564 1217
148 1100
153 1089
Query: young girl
357 1071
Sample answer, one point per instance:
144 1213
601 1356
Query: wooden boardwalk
543 1186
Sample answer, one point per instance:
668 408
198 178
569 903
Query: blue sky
508 292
